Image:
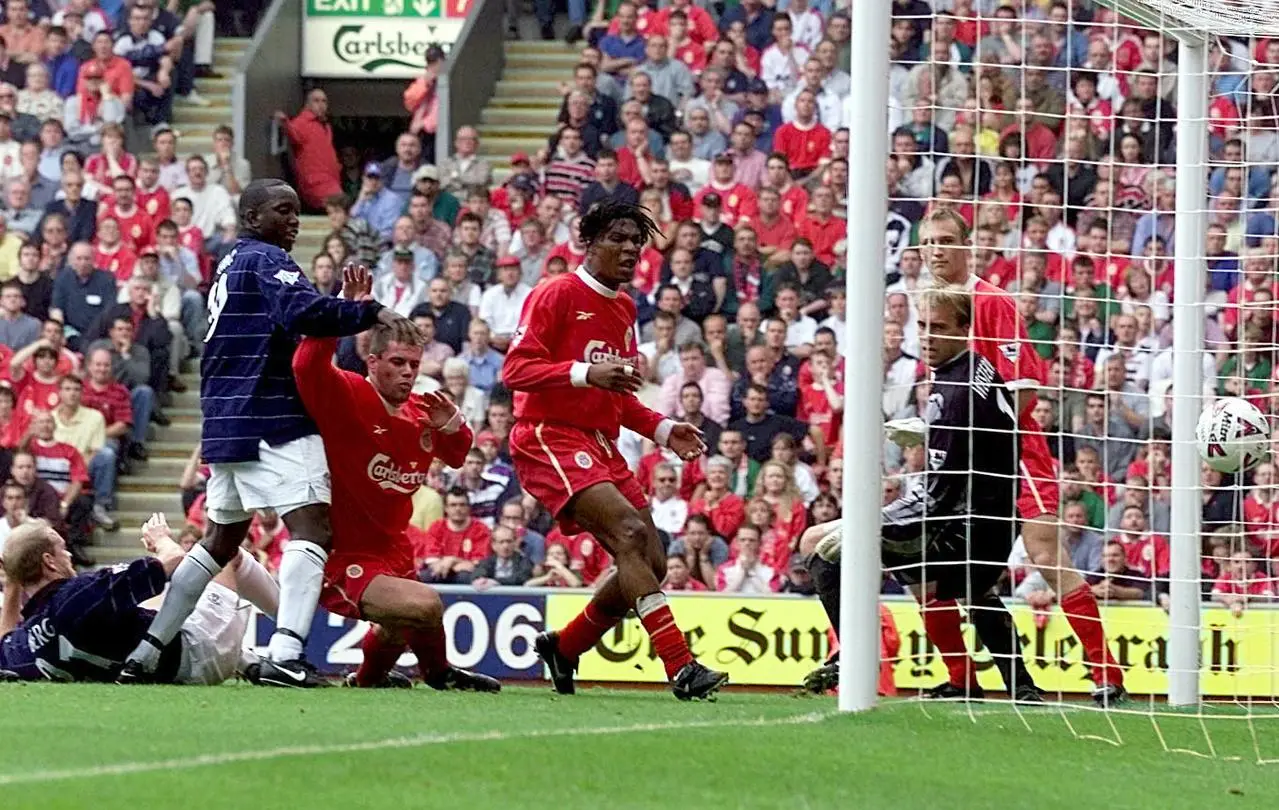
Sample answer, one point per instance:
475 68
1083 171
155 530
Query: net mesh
1052 131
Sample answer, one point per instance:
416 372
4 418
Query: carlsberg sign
377 39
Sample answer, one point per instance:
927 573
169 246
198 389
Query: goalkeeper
949 537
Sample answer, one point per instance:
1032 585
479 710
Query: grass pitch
104 747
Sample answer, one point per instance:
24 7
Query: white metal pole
864 371
1187 370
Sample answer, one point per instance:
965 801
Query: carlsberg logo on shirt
388 475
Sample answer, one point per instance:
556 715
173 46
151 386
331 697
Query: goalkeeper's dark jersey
971 464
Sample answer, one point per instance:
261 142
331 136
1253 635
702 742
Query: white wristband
577 374
662 435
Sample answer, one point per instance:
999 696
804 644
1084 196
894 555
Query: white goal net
1115 166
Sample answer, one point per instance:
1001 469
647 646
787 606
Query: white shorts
213 638
283 478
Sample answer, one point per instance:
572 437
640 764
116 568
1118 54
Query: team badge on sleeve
286 277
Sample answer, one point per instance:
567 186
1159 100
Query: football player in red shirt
573 367
1000 337
380 440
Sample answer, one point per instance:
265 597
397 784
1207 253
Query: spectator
465 168
531 543
803 140
37 287
1242 581
679 577
111 253
606 187
484 362
62 64
1084 544
557 571
624 49
315 163
484 489
502 303
144 48
1115 579
132 364
725 509
63 467
422 101
398 170
431 232
81 292
136 226
20 35
757 18
357 234
532 243
669 510
37 99
85 430
457 384
403 237
376 204
570 168
19 214
782 62
703 551
454 544
44 502
179 270
53 243
479 259
713 382
225 169
738 203
495 230
658 111
451 318
693 170
506 565
17 329
127 413
758 425
747 574
79 214
401 290
745 470
211 208
748 162
173 170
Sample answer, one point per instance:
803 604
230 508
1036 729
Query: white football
1233 435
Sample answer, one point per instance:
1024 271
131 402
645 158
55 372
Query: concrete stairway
521 114
154 485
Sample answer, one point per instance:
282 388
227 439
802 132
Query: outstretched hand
154 530
357 282
687 441
440 410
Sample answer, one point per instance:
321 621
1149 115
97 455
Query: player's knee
630 538
428 608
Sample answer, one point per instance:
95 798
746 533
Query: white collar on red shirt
590 281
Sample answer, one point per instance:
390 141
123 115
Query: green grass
76 746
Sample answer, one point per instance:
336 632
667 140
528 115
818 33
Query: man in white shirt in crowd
686 167
501 304
800 328
211 208
404 237
900 370
668 508
400 290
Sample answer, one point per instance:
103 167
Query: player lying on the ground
999 335
949 538
81 627
380 440
573 365
261 445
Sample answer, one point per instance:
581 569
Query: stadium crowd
104 257
1047 125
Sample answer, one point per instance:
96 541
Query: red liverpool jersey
1000 336
569 323
137 230
377 459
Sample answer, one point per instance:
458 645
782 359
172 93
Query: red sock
431 650
585 630
667 638
380 656
1080 607
941 622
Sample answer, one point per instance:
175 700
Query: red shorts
555 463
348 573
1039 494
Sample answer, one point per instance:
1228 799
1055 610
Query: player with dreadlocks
573 367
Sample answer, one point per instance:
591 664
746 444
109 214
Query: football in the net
1233 435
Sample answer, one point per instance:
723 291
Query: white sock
189 579
648 603
255 584
301 577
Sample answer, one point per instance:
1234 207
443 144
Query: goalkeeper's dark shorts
965 558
